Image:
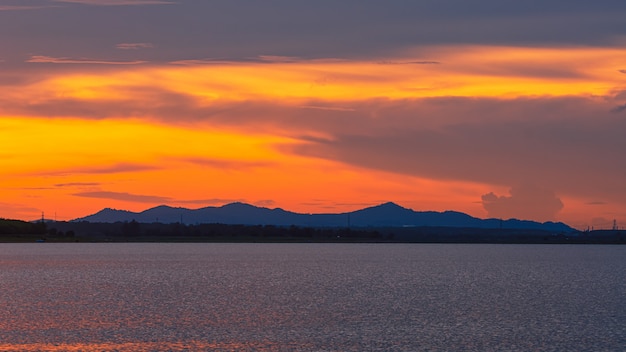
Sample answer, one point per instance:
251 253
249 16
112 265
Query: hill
383 215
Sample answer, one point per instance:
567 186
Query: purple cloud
123 196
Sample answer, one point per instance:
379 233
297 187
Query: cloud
327 108
264 203
198 62
66 60
22 7
107 169
227 164
387 62
525 203
18 209
556 143
134 46
198 29
596 203
210 201
78 184
278 58
123 196
622 71
619 108
118 2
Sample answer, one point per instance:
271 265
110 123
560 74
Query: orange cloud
435 128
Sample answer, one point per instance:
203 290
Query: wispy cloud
329 108
142 198
196 62
622 71
22 7
619 108
17 208
123 196
210 201
78 184
134 46
118 2
67 60
110 169
227 164
264 203
278 58
425 62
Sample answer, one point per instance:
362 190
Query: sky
496 108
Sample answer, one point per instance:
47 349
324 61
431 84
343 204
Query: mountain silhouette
383 215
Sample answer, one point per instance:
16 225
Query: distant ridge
383 215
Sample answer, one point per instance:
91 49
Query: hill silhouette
383 215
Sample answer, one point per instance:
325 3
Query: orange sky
75 138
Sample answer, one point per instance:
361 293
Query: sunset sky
505 109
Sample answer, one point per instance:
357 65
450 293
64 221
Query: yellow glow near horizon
37 145
64 158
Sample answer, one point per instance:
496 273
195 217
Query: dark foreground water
312 297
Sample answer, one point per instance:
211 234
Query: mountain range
383 215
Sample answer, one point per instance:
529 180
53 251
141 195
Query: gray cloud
105 169
127 197
570 145
66 60
264 203
118 2
320 29
210 201
17 208
78 184
524 202
133 46
619 108
21 7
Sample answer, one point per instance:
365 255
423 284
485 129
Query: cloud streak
227 164
134 46
78 184
118 2
123 196
101 170
66 60
22 7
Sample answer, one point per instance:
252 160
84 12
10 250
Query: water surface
312 297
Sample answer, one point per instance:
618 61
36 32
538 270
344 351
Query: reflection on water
147 346
329 297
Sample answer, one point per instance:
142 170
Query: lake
311 297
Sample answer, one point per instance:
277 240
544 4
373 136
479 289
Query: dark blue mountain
383 215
